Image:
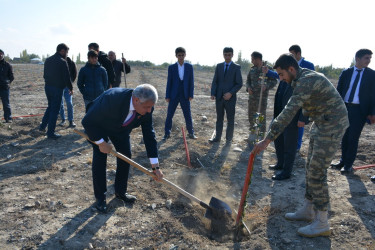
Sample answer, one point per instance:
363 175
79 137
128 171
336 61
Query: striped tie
130 119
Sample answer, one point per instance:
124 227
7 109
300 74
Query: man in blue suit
113 115
357 88
302 120
180 89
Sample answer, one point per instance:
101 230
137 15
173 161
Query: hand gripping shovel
215 209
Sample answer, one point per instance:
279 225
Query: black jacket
119 67
106 63
56 72
72 69
283 93
6 74
106 114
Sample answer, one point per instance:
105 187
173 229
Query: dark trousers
99 166
286 145
230 108
349 143
4 95
54 97
185 106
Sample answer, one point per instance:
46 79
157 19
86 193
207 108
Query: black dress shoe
338 165
276 167
279 177
346 170
72 124
8 120
166 137
101 206
192 136
42 129
126 198
212 140
373 178
55 136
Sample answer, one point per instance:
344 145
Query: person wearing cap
6 78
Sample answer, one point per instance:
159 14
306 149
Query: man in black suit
357 88
226 83
112 116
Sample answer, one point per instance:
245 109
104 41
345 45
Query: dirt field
47 195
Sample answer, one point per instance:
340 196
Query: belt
351 104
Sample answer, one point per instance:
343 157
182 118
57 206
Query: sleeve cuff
154 160
100 141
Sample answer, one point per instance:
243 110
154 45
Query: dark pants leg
122 145
349 143
4 95
300 136
230 109
279 146
219 117
99 173
54 97
185 106
172 105
290 145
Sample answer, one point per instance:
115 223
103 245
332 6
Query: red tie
130 119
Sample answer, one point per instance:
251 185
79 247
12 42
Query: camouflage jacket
254 79
319 100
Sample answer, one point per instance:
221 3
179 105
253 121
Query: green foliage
7 58
329 71
78 61
244 63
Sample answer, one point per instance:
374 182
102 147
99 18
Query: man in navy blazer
180 89
112 116
302 120
226 83
357 88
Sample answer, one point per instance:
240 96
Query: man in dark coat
6 77
118 67
113 115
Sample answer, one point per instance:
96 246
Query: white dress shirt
356 97
181 69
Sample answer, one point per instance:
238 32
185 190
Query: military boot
306 213
319 227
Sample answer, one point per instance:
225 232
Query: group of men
303 95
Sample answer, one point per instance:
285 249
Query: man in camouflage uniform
254 88
318 99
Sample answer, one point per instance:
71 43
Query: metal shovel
215 209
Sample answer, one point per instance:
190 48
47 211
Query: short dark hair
296 48
94 45
1 51
257 54
362 52
180 50
285 61
228 50
92 53
61 46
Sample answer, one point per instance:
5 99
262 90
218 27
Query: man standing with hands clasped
113 115
226 83
318 99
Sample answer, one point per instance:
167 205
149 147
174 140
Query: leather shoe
212 140
346 170
42 129
72 125
373 178
166 137
126 197
279 177
55 136
101 206
275 167
192 136
338 165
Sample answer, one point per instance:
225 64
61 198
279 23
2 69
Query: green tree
244 63
78 61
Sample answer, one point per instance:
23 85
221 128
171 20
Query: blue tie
130 119
354 87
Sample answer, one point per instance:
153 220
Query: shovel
215 209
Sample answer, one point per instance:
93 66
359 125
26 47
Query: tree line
328 71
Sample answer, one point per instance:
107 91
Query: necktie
354 87
130 119
226 69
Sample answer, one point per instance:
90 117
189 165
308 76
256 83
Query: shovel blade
217 209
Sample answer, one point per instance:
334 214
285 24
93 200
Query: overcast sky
329 32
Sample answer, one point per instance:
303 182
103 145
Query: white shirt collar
131 107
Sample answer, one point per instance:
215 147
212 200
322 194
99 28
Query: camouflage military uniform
254 80
322 103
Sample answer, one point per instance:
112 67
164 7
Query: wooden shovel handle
150 173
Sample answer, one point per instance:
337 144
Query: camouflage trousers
322 149
253 109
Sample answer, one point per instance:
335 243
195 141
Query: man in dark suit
180 89
112 116
226 83
302 120
357 88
